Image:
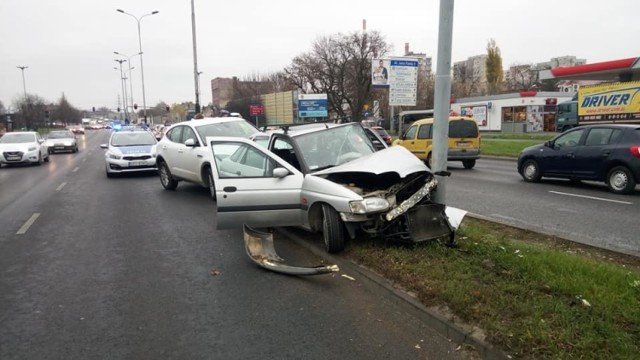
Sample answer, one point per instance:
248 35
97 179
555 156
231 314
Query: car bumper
126 166
56 148
463 154
17 157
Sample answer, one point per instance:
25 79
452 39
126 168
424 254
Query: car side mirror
190 142
547 143
280 172
104 146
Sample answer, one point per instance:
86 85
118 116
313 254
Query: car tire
211 185
109 175
531 171
469 164
166 179
620 180
333 232
39 159
47 158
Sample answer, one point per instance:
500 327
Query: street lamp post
196 74
130 76
124 97
138 19
24 86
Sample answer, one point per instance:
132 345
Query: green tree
495 73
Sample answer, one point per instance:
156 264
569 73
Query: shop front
523 112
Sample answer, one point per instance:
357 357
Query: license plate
463 144
59 147
10 157
136 163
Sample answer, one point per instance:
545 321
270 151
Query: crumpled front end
412 217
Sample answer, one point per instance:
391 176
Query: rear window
463 129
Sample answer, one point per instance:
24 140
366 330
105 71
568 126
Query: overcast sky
68 45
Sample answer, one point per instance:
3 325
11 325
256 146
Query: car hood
18 147
58 140
393 159
129 150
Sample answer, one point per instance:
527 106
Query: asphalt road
97 268
586 212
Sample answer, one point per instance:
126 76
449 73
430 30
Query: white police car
130 150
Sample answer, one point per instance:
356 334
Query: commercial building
521 112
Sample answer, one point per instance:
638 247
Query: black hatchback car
609 153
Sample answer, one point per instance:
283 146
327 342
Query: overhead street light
124 96
138 19
24 86
130 76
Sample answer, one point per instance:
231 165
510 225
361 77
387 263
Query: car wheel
333 232
210 183
166 179
109 175
47 158
39 159
620 180
531 171
469 164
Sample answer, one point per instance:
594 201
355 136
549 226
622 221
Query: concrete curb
459 333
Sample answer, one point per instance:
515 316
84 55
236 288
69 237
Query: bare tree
495 73
521 77
339 66
31 112
65 112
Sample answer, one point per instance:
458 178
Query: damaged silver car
328 178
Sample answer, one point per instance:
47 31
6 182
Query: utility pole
24 86
442 97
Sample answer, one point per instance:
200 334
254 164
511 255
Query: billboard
312 105
380 73
612 101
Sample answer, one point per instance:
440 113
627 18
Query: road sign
312 105
403 80
255 110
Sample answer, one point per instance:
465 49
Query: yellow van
464 140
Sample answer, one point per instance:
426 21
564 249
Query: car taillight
635 151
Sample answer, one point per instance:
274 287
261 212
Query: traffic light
135 106
94 109
118 109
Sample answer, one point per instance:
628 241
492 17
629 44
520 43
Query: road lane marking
592 197
61 186
76 169
28 224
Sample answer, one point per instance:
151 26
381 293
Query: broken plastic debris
259 247
348 277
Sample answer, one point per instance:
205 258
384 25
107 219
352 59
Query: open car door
253 186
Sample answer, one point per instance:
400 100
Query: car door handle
570 155
230 189
606 153
199 155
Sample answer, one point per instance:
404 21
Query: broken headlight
369 205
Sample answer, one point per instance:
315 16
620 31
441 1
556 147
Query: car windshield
59 135
334 146
17 138
240 128
133 139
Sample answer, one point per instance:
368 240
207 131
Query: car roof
210 120
622 126
21 132
451 118
294 130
